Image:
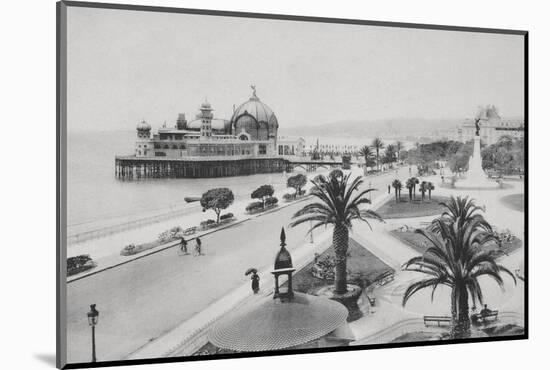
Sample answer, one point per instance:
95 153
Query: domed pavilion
284 320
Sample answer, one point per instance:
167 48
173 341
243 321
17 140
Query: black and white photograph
236 185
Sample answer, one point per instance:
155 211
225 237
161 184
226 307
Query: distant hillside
385 128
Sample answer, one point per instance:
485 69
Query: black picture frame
61 168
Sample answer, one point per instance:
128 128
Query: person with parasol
255 279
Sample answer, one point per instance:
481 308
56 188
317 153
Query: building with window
492 126
250 134
293 146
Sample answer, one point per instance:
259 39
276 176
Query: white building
492 127
291 146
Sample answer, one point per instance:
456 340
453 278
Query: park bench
439 320
481 319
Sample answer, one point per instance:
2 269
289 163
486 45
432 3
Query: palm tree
430 188
397 185
367 153
457 258
337 206
398 147
415 182
390 153
378 145
409 184
423 188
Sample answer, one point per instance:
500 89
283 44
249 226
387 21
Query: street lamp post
93 316
311 232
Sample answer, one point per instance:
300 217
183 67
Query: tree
397 185
217 200
457 257
378 145
262 193
398 148
415 182
409 184
430 188
423 188
337 206
389 154
367 153
297 182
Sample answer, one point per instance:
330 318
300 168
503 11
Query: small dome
143 126
206 105
283 260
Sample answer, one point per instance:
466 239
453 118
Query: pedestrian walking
389 189
255 282
183 245
198 247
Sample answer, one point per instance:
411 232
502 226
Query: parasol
251 270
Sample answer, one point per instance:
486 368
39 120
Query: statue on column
477 126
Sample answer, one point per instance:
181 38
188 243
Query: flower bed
508 242
132 249
289 197
165 237
211 224
363 269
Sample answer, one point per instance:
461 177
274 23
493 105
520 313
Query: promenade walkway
190 335
142 301
387 320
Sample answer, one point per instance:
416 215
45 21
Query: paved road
141 300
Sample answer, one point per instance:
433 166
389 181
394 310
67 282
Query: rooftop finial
254 96
283 237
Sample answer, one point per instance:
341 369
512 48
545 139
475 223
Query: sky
124 66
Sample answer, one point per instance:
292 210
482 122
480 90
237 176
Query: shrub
171 234
254 206
226 216
79 263
207 223
130 248
323 268
288 197
271 201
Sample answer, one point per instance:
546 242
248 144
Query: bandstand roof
270 324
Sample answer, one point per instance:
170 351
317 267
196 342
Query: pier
136 168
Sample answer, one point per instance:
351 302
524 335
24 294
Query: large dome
255 118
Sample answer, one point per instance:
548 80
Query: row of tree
505 156
219 199
424 187
372 156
